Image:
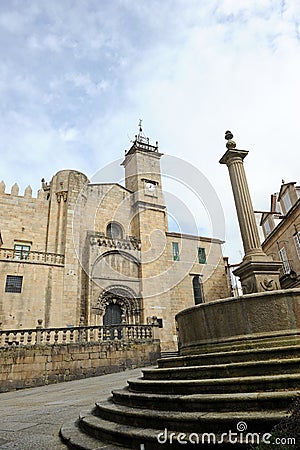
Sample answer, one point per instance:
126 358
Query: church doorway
113 316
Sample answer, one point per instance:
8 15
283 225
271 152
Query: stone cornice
194 237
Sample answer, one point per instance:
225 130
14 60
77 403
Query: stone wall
38 365
42 290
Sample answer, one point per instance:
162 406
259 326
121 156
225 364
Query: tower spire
141 142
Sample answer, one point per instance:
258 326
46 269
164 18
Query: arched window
198 292
114 230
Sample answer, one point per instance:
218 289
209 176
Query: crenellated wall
24 218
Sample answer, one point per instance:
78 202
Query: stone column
61 199
258 272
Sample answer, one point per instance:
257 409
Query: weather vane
140 125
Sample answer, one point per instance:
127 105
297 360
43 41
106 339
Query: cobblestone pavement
30 419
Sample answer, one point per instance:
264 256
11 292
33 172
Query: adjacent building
281 230
100 254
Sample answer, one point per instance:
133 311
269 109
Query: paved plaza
31 418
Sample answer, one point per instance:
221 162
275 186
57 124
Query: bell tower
149 224
143 179
142 170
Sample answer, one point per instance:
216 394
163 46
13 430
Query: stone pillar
258 272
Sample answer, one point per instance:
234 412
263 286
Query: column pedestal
259 276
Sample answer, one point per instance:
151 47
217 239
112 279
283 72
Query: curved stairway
199 394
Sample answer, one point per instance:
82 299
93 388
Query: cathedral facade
83 253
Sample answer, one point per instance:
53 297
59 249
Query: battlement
15 191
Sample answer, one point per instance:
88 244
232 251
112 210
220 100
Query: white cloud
76 77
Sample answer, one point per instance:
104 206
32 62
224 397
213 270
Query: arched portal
119 303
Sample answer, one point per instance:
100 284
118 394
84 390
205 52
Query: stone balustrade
80 334
131 243
31 257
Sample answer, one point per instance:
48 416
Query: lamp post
257 272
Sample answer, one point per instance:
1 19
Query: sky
76 76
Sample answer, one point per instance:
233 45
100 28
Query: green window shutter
201 255
175 251
21 251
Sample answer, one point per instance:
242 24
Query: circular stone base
253 320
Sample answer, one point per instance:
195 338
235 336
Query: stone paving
30 419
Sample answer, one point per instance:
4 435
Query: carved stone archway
126 299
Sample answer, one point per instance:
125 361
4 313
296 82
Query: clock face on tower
150 188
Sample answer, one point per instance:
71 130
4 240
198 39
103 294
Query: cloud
76 77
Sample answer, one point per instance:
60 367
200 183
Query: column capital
231 154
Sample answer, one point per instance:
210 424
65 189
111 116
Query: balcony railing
131 243
287 268
86 334
7 254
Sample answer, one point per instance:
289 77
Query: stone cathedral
84 253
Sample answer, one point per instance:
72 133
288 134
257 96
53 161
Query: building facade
281 230
100 254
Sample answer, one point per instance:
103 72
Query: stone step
74 438
187 421
132 436
253 401
218 385
269 367
169 354
256 354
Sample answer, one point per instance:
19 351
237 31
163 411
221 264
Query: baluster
83 334
29 337
128 332
56 336
100 334
143 334
64 336
92 332
7 338
22 337
107 333
71 335
15 340
116 333
48 336
133 333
